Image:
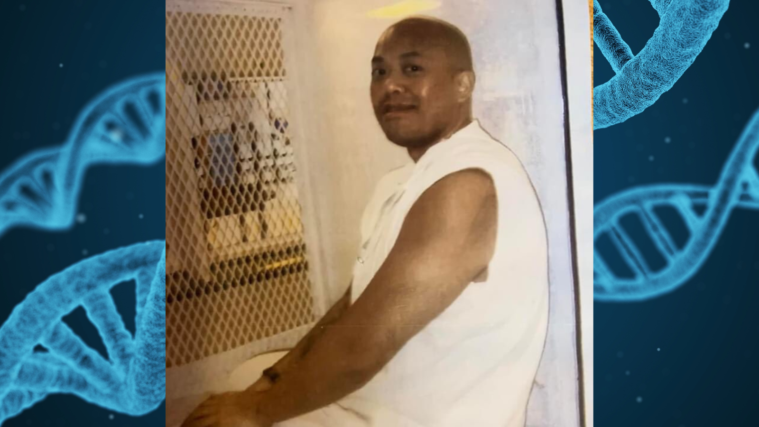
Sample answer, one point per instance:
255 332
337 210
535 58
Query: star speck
60 65
667 140
746 45
140 216
81 218
639 399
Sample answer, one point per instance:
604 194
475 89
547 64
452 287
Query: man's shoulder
478 140
466 180
478 150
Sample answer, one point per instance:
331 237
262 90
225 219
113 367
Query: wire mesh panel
236 256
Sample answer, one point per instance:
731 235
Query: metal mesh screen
236 258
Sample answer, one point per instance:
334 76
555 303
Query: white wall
518 99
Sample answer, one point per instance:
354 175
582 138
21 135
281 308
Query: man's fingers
202 416
205 422
205 409
198 421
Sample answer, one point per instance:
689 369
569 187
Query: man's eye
378 72
414 68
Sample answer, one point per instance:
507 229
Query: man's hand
234 409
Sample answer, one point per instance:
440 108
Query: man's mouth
394 110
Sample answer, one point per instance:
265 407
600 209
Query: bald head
435 33
422 82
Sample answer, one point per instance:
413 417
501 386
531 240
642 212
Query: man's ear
465 85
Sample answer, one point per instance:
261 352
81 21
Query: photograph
379 213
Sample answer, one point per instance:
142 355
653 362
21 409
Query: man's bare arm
304 345
447 240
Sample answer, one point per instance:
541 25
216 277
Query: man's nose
394 85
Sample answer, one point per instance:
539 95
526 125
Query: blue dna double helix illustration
704 212
126 124
132 380
684 28
39 353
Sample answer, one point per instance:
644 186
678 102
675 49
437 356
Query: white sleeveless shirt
473 365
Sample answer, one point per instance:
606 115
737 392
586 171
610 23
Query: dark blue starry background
57 56
687 358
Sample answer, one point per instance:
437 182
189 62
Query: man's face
413 88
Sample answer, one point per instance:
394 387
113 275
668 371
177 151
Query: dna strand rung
132 380
703 210
124 125
684 29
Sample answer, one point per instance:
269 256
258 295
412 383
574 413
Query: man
445 320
